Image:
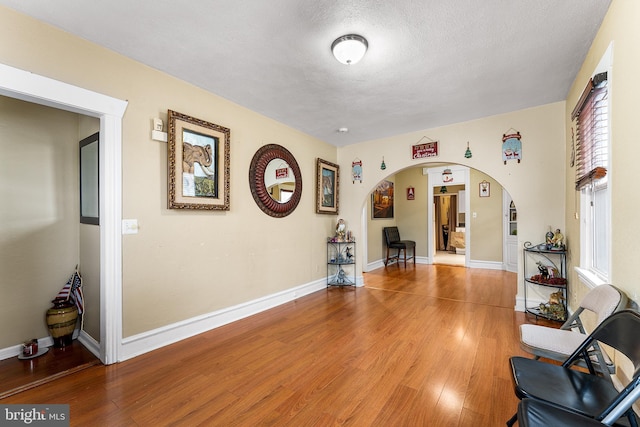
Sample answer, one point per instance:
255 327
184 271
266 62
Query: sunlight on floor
444 257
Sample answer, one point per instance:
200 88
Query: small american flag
73 291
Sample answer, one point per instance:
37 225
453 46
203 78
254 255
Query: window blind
592 132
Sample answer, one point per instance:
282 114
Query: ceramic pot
61 320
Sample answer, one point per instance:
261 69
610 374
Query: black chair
585 393
392 238
536 413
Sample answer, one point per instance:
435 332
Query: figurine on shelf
544 271
349 254
548 238
555 307
558 240
341 230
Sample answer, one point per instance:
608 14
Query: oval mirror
275 180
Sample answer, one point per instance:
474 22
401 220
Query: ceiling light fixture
349 49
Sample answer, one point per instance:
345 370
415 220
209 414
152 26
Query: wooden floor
17 375
422 346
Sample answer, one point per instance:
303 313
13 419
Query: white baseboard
147 341
15 350
142 343
487 265
90 343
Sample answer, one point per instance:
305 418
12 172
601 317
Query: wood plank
425 345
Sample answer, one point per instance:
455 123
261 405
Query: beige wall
486 227
538 177
411 217
39 214
184 264
620 28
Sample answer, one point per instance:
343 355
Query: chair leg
512 420
386 261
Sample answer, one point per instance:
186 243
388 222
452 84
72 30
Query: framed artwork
484 189
89 181
198 160
411 193
382 200
327 187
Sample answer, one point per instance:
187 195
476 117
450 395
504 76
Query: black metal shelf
537 311
339 255
554 259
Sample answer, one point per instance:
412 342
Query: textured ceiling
429 63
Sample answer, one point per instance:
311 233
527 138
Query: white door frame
26 86
459 176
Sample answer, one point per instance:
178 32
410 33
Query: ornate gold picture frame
327 187
198 162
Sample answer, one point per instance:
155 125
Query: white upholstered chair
558 344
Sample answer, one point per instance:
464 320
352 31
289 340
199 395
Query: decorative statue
558 239
341 230
544 271
555 307
549 238
349 254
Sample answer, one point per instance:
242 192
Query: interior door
510 233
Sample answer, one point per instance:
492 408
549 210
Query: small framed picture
484 189
411 193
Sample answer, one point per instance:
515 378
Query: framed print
484 189
382 200
327 187
411 193
89 182
198 160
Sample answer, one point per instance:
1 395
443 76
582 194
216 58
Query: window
592 180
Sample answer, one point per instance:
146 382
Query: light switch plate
129 226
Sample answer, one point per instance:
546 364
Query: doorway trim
30 87
460 175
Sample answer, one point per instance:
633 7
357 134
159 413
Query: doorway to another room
448 213
449 226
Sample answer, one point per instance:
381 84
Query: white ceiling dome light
349 49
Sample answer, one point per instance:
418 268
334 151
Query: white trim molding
148 341
27 86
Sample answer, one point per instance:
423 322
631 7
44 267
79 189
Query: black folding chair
587 394
536 413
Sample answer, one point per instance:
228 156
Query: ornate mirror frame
259 190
